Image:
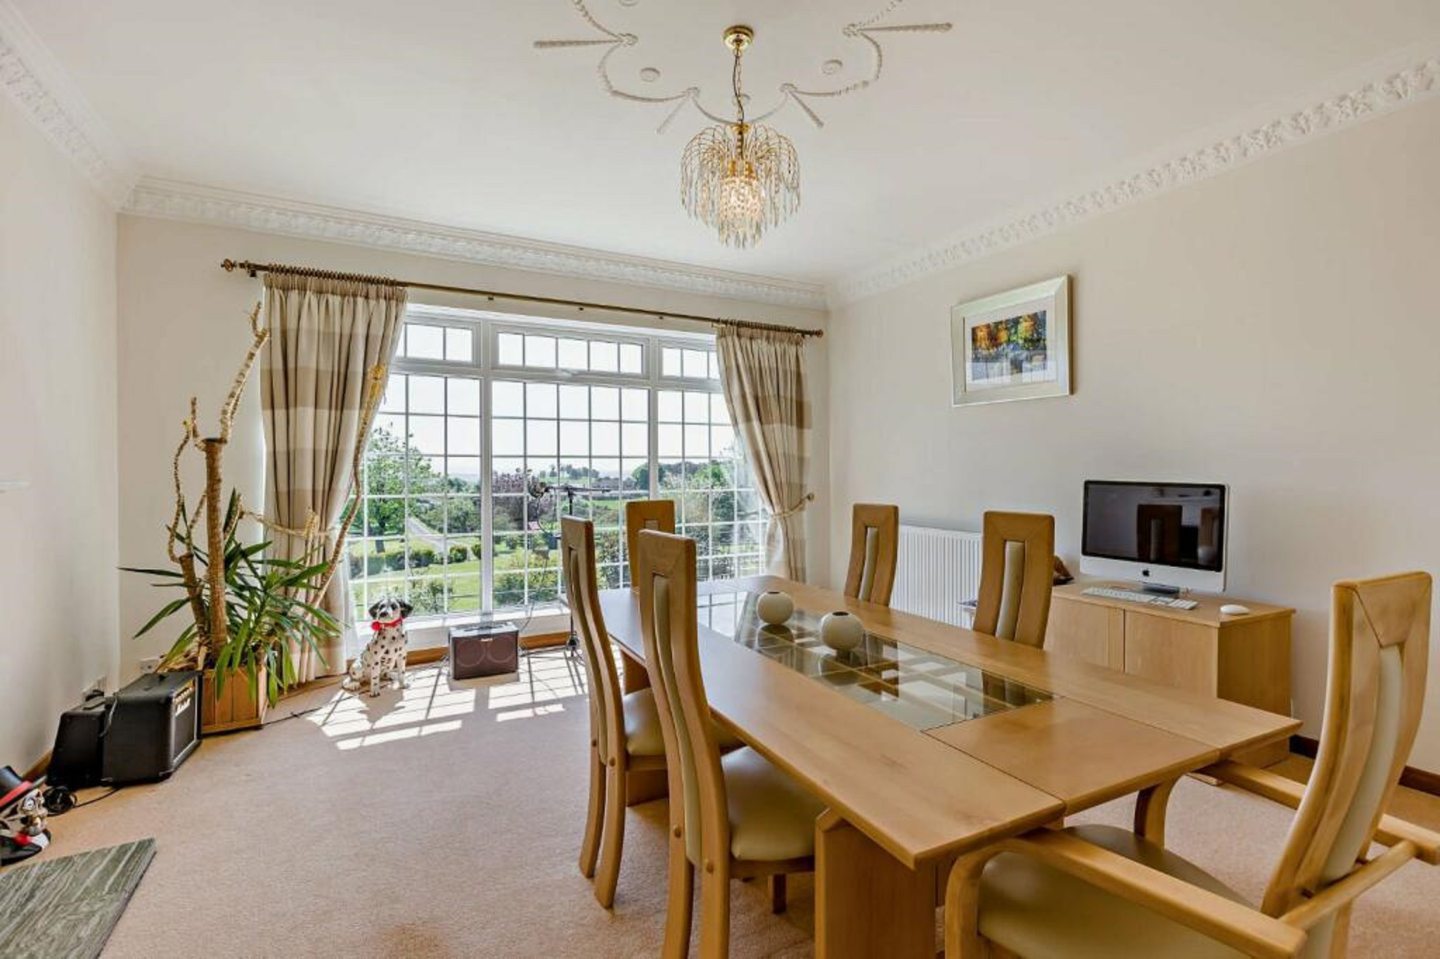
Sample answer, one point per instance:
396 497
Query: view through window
491 429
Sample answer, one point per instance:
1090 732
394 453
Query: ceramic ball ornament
841 631
775 607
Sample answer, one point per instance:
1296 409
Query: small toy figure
383 658
22 818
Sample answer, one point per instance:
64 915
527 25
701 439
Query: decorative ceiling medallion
867 33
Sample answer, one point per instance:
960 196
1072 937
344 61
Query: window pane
635 437
463 395
697 407
427 434
606 439
669 361
427 394
635 405
714 366
719 412
696 364
459 344
423 342
540 438
394 401
668 406
632 358
507 399
574 439
605 402
670 440
573 354
604 356
463 473
540 351
508 437
540 400
510 349
462 436
575 402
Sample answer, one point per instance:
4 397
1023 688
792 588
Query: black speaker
485 650
75 760
154 725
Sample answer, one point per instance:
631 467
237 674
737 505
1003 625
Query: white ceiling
443 110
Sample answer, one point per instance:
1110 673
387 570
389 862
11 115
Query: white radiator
937 570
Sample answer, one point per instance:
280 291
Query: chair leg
612 839
590 845
777 893
680 892
715 911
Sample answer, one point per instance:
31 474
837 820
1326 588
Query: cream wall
58 433
182 331
1275 329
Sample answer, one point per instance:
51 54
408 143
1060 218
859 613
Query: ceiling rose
738 176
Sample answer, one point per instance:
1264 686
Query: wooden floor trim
1418 779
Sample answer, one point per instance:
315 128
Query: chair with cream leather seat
1095 891
656 514
1016 573
734 816
625 729
874 547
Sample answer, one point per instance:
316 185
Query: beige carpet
445 823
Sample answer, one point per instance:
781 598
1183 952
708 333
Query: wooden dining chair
625 732
1101 891
874 546
656 514
733 816
1017 567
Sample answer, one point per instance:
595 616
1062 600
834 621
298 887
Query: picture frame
1012 346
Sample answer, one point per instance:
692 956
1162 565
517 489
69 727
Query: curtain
763 373
325 337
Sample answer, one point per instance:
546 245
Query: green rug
65 908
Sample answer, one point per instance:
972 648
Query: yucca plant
266 615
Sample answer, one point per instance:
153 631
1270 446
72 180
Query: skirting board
1418 779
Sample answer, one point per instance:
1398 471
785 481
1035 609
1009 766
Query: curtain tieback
799 507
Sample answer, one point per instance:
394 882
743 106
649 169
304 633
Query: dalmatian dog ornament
383 659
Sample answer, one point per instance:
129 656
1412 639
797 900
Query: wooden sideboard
1245 659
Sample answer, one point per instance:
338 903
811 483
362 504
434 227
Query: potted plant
250 613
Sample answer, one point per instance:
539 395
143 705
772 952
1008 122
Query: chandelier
739 178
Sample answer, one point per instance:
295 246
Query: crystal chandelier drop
739 177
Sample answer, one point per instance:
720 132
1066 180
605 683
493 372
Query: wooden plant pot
236 707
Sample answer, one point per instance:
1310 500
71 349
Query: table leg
633 674
867 902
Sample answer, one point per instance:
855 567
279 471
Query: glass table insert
921 689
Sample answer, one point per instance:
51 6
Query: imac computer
1165 536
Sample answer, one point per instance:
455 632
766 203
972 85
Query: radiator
937 570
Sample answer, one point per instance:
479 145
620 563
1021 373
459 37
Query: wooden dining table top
922 789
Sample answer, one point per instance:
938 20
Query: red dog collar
377 626
14 794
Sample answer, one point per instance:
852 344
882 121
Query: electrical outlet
96 687
149 664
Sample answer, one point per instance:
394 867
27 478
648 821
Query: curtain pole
253 269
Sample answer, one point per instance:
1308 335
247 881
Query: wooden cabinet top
1207 613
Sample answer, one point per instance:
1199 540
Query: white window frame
486 328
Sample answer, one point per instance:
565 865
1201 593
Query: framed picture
1012 346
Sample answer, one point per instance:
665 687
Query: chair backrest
656 514
1017 568
577 552
874 545
665 565
1379 647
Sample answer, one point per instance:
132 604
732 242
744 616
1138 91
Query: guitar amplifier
154 726
491 649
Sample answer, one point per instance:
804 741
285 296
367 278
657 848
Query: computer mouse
1234 609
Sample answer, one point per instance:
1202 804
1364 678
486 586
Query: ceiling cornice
1401 79
182 201
33 78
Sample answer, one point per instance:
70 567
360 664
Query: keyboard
1132 596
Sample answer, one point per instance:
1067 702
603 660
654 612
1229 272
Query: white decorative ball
775 607
841 631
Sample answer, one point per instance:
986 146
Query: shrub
374 564
356 563
421 557
477 551
394 561
458 554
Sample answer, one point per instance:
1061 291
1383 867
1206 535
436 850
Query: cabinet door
1171 652
1086 631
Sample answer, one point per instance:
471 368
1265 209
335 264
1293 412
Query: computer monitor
1161 535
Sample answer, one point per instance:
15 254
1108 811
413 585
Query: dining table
927 740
